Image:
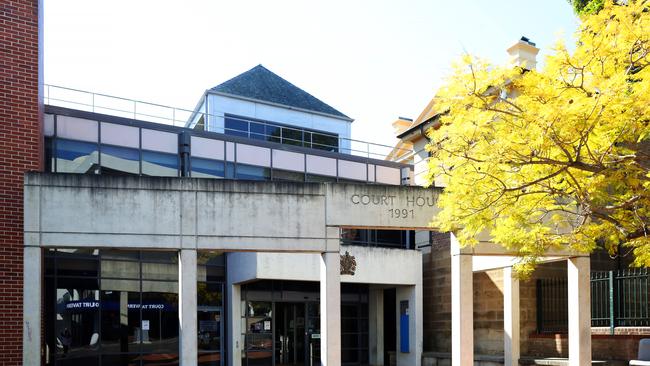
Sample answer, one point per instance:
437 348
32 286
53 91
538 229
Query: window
205 168
120 160
236 127
250 172
76 157
288 176
158 164
210 316
110 305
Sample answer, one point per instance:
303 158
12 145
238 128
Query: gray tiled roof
262 84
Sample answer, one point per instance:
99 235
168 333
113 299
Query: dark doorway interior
390 324
290 333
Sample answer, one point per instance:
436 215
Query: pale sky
373 60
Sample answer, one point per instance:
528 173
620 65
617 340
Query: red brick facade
20 151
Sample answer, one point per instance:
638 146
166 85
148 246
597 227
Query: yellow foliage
555 158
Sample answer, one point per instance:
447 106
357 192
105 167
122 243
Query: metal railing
151 112
618 299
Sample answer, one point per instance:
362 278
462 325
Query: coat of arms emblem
348 264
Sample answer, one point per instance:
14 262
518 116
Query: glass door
290 334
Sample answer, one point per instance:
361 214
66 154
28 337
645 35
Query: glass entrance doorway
290 334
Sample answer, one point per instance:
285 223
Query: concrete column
187 307
579 289
234 340
376 325
32 289
330 308
510 318
462 307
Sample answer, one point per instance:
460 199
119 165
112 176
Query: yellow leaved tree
555 158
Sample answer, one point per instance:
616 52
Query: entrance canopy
74 210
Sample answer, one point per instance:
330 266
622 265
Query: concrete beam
579 290
511 327
494 249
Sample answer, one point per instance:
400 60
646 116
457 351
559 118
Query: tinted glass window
287 176
291 136
159 164
236 127
257 131
204 168
325 142
76 157
120 160
273 133
319 178
249 172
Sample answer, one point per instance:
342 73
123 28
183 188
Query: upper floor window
274 132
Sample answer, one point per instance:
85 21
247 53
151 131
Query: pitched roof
262 84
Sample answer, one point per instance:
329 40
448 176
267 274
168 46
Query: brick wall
20 151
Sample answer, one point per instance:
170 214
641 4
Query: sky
373 60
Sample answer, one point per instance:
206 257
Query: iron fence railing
157 113
618 299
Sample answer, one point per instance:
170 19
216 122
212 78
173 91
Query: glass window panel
159 323
287 176
259 358
160 359
391 238
349 325
157 164
209 306
306 137
120 160
349 311
249 172
77 267
319 178
160 271
204 168
77 318
159 256
211 258
350 356
81 360
257 131
76 157
49 154
121 360
120 269
236 127
120 317
325 142
273 133
259 342
210 358
349 340
291 136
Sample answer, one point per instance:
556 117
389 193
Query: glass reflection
76 157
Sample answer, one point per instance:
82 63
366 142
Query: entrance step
444 359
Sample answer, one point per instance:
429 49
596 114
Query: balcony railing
151 112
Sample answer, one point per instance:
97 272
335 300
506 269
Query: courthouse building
252 230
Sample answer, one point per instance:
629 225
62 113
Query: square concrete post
579 289
510 318
462 307
235 341
330 308
376 325
187 307
32 288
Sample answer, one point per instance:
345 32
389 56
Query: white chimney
524 54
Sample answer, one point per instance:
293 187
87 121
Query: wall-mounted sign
145 325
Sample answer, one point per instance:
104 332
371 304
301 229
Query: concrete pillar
376 325
511 328
32 289
235 342
579 289
412 294
462 307
187 307
330 308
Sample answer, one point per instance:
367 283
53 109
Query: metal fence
618 299
151 112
